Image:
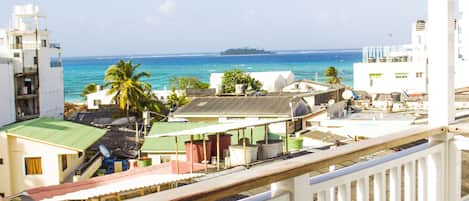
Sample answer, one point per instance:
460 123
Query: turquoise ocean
79 71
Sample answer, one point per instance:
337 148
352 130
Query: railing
54 45
384 54
88 168
55 64
431 171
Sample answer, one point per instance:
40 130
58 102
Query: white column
441 58
298 187
379 186
363 189
395 184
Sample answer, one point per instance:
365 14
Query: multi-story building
404 68
31 75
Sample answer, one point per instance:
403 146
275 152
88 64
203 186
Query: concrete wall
19 148
51 92
5 169
304 87
7 95
388 82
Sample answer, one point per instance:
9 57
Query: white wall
7 95
388 82
304 86
99 95
51 164
51 92
271 81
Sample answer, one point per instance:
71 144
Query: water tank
396 97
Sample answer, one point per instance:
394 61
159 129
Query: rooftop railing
382 54
429 171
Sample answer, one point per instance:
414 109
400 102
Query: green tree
183 83
332 75
174 99
125 81
89 89
236 76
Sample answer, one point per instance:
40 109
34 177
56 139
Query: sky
123 27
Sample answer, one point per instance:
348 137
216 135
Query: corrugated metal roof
56 132
237 106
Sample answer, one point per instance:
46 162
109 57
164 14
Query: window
36 60
297 86
419 74
80 154
375 75
44 43
33 165
401 75
96 102
2 195
1 161
64 162
16 54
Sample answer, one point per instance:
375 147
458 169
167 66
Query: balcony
428 171
54 45
387 54
55 64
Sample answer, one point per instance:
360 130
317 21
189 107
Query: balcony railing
430 171
54 45
55 64
383 54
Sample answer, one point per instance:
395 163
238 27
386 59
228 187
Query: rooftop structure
271 81
31 77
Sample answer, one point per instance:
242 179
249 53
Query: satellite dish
104 151
347 94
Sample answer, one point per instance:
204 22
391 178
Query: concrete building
31 75
271 81
42 152
102 97
305 86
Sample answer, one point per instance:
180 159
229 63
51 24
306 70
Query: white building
405 68
102 97
31 75
271 81
304 86
42 152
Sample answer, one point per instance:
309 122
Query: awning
127 185
220 128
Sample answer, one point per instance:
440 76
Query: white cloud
167 7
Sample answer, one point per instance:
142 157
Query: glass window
96 102
16 54
33 165
419 74
375 75
64 162
43 43
1 161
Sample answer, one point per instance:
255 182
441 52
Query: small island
245 51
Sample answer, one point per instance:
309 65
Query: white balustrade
430 171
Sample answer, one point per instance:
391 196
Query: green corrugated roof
159 128
56 132
168 144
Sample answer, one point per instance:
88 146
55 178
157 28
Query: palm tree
332 75
89 89
124 81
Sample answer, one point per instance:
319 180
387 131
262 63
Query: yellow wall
19 148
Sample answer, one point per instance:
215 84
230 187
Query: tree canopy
125 81
89 89
236 76
183 83
332 75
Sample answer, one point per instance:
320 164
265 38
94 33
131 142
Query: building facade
31 75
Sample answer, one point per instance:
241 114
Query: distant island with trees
245 51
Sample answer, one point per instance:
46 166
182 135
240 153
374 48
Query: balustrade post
298 188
